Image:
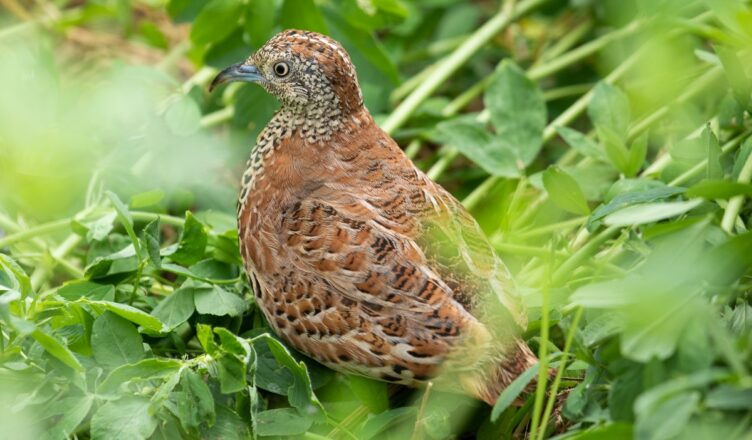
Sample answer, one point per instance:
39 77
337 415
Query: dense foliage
603 145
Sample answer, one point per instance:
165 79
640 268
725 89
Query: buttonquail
357 259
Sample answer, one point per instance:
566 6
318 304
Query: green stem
163 218
540 388
700 166
735 204
442 164
553 391
218 117
583 253
454 61
46 228
413 148
542 230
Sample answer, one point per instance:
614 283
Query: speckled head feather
317 72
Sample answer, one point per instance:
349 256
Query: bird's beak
237 72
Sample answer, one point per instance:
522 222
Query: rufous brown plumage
358 259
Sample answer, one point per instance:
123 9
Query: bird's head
308 72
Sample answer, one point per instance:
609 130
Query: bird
356 258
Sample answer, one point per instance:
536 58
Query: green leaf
649 213
631 198
668 419
232 343
176 308
637 153
365 44
259 20
57 349
206 338
132 314
300 393
200 403
616 150
581 143
564 191
183 116
150 238
511 392
15 277
282 421
125 219
228 426
474 142
86 289
146 199
713 170
372 393
737 78
609 109
146 369
518 111
216 301
115 341
302 14
71 412
611 431
216 21
128 418
185 10
718 189
232 374
727 397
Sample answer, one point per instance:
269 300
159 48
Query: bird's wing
409 259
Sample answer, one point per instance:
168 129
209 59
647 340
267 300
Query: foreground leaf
125 419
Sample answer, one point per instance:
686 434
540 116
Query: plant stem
418 430
553 391
540 388
735 204
454 61
45 228
584 252
700 166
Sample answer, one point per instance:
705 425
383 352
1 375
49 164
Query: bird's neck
316 125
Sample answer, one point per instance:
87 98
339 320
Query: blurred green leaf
302 14
649 212
511 392
564 191
518 111
718 189
473 141
150 239
581 143
609 110
631 198
259 20
216 21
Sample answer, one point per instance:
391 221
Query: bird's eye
281 69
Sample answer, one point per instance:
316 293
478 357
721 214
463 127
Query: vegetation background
604 145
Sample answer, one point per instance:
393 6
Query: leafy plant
603 146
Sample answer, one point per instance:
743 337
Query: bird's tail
487 387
